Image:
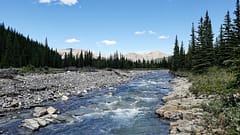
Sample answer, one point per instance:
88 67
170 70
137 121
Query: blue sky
110 25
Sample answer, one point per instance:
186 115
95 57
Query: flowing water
127 109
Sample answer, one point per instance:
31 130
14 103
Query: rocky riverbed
30 90
184 109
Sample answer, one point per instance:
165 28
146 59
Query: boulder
165 108
31 124
64 98
14 103
41 122
39 111
51 110
172 115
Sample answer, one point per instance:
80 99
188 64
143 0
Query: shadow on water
125 109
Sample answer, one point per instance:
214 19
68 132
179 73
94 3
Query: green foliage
215 81
176 58
202 56
28 68
224 113
18 51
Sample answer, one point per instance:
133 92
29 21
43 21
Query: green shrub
29 68
215 81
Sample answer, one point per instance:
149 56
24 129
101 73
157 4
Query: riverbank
184 109
30 90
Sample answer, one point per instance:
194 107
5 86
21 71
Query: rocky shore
183 109
30 90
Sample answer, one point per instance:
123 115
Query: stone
173 124
64 98
39 111
41 122
172 115
51 110
218 131
14 103
61 118
31 124
187 115
165 108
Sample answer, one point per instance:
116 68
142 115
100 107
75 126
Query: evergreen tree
175 59
228 44
236 59
182 57
197 57
208 42
203 56
220 49
191 49
236 21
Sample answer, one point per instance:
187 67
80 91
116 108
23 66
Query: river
126 109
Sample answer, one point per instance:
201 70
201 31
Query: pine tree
236 21
175 59
228 39
203 56
236 59
182 57
220 49
208 42
197 66
81 59
191 49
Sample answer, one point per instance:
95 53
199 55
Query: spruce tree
191 49
236 59
208 42
175 59
228 39
182 57
197 56
81 59
220 49
236 21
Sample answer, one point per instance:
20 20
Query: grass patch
214 82
46 70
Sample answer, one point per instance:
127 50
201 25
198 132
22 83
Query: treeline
17 50
117 61
203 52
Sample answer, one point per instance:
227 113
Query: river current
126 109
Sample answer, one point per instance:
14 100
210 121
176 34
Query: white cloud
69 2
44 1
139 32
107 42
163 37
72 40
151 32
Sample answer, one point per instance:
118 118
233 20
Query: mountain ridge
131 55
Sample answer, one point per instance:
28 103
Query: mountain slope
145 56
130 56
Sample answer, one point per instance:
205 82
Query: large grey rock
39 111
31 124
14 103
51 110
64 98
41 121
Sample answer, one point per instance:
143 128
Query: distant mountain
146 56
130 56
74 51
